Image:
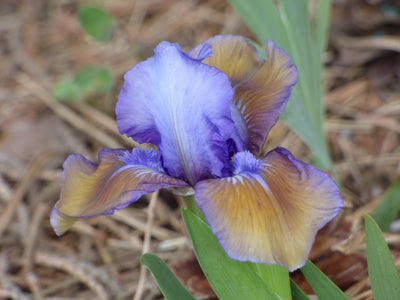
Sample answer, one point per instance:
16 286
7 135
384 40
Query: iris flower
208 113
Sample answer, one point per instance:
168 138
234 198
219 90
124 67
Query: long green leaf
297 292
296 20
288 24
322 286
294 116
321 24
385 280
264 20
276 278
387 210
169 285
230 279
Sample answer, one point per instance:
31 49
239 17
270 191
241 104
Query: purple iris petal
270 209
204 51
208 113
262 88
183 107
120 178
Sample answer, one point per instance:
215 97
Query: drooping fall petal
120 178
182 106
270 209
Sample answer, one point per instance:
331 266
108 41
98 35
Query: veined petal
233 55
262 88
238 59
270 210
182 106
121 178
264 96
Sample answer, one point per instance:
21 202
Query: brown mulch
41 43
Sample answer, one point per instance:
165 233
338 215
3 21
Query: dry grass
42 42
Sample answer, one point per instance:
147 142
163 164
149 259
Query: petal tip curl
60 222
120 178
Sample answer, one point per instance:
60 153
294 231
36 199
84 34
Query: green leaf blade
322 286
230 279
288 23
96 22
387 210
276 278
169 285
254 14
384 276
94 79
322 24
90 80
297 292
67 90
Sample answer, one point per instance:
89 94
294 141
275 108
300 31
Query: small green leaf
88 81
322 286
297 292
94 79
230 279
67 90
169 285
387 210
97 23
385 280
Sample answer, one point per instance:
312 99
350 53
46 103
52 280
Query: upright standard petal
238 59
121 178
233 55
270 210
182 106
262 88
264 96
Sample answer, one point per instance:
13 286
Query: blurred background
60 77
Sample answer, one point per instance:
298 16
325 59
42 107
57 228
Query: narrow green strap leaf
193 207
320 30
288 23
264 20
387 210
322 286
169 285
96 22
322 24
230 279
307 54
276 278
297 292
294 116
296 18
385 280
